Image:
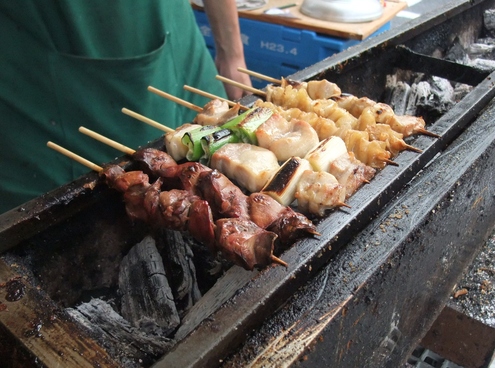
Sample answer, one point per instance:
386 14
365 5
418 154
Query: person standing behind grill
71 63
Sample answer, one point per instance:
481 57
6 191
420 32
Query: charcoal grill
361 294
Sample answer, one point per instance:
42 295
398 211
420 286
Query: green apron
71 63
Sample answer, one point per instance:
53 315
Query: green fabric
72 63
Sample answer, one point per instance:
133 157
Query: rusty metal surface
373 303
375 292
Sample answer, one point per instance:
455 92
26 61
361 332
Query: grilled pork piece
250 166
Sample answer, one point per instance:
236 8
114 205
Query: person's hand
228 68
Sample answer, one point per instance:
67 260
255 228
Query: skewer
412 148
148 121
175 99
97 168
279 261
259 75
212 96
243 86
118 146
427 132
73 156
390 162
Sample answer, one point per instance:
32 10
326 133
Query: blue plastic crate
278 51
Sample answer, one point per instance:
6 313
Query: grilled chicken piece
403 124
250 166
317 192
216 112
286 138
351 173
268 214
317 89
244 243
331 156
153 160
224 197
184 176
200 224
322 89
371 153
173 141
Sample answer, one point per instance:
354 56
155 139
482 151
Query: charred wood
181 272
125 343
147 300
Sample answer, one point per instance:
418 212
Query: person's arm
224 22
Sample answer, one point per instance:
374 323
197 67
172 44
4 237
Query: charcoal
180 269
489 21
461 90
420 93
481 50
399 96
484 64
147 300
457 53
125 343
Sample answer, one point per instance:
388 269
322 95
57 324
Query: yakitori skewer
99 169
259 75
212 96
109 142
74 156
146 120
242 86
175 99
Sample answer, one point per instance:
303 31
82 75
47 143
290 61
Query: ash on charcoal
479 281
147 301
489 22
127 344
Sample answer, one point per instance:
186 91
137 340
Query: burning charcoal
180 269
147 300
124 343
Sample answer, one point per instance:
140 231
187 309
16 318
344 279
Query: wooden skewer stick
243 86
73 156
412 148
175 99
148 121
279 261
212 96
109 142
390 162
260 76
427 132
